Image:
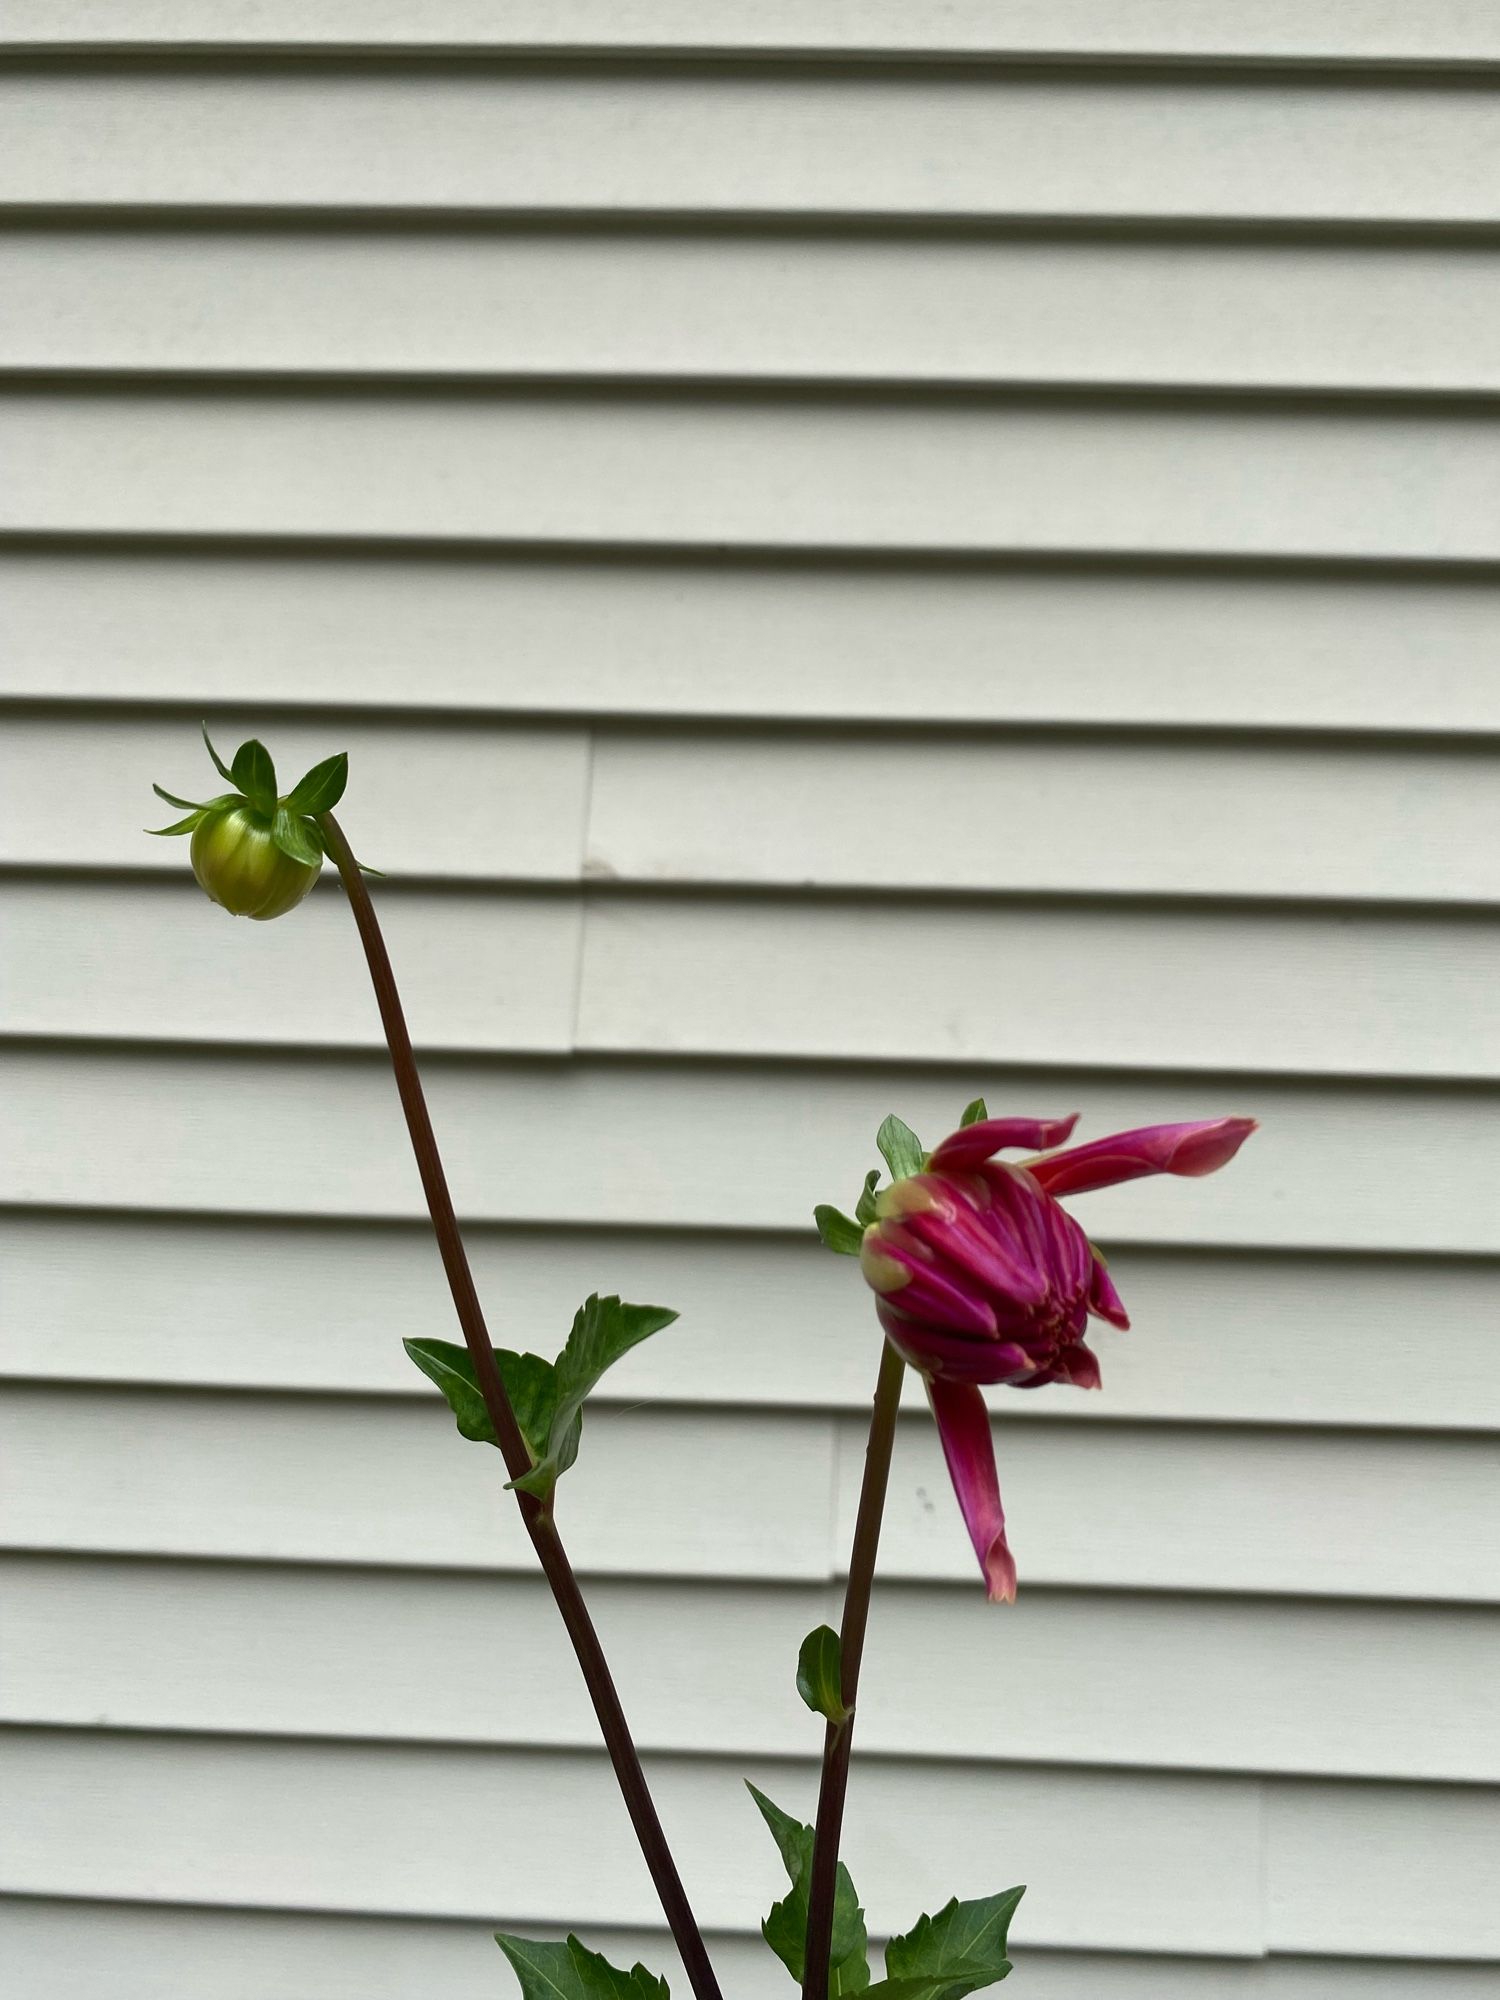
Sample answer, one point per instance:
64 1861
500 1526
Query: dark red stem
537 1516
837 1740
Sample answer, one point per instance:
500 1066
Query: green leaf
818 1674
219 765
530 1383
188 825
900 1148
603 1330
952 1954
572 1972
839 1234
865 1211
322 788
785 1928
974 1114
255 774
297 837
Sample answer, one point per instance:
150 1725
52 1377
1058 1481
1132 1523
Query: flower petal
1154 1149
899 1266
973 1143
950 1355
964 1426
1104 1301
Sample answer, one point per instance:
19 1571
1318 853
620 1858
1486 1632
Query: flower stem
536 1514
837 1738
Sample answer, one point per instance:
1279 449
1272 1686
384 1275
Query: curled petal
964 1426
973 1143
949 1355
1104 1301
1078 1366
898 1266
1154 1149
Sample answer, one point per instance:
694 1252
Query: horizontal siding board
478 973
789 142
452 799
133 1951
1018 644
1130 1506
1334 1874
729 1147
1069 815
384 1483
1175 1683
426 1832
708 471
1065 815
498 974
695 304
1276 30
1029 985
1261 1339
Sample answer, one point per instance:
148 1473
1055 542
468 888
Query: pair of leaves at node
903 1153
294 826
946 1957
547 1396
571 1971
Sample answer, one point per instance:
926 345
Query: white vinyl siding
861 553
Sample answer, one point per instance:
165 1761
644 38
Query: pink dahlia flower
983 1276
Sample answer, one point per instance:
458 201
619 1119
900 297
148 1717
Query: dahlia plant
980 1277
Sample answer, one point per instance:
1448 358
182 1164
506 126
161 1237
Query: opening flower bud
239 865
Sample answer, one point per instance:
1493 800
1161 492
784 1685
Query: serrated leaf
900 1148
819 1668
296 838
603 1330
320 790
839 1234
785 1928
189 825
530 1382
974 1113
255 774
960 1950
572 1972
864 1209
219 765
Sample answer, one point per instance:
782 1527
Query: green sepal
945 1957
785 1928
974 1114
839 1234
255 774
297 837
865 1211
900 1148
819 1672
572 1972
188 805
603 1330
320 790
219 765
189 825
529 1383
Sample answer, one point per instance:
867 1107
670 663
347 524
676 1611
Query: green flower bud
255 853
239 865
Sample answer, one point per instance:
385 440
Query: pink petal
964 1426
952 1356
1104 1301
1154 1149
898 1267
973 1143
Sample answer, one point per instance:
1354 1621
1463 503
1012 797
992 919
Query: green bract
255 853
